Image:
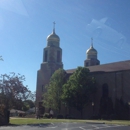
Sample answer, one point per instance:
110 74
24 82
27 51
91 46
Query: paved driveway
67 126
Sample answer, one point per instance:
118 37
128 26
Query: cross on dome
91 42
54 27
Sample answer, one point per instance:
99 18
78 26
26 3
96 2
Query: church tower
52 60
91 56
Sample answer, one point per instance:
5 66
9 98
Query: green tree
79 88
27 104
52 97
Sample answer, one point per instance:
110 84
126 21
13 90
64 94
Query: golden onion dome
53 37
91 50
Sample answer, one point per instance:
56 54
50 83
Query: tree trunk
59 109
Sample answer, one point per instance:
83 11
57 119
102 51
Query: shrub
2 120
60 116
69 117
95 117
104 117
46 115
113 117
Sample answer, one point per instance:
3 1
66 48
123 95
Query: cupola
53 39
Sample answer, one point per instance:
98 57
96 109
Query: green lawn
20 121
23 121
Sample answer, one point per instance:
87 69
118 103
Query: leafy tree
78 89
52 97
27 104
12 90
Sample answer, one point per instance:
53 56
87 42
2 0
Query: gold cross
54 24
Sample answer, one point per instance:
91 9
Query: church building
113 81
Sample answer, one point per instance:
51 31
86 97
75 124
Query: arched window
46 54
105 90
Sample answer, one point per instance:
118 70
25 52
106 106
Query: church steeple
53 39
53 52
52 61
91 56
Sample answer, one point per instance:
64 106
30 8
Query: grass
24 121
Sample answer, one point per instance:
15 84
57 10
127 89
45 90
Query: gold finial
91 42
54 27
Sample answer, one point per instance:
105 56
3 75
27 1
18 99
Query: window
42 88
105 90
58 56
45 55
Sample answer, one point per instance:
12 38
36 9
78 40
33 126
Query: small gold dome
53 37
91 50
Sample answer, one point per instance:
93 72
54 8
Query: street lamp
93 107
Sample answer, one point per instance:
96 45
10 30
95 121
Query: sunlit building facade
113 82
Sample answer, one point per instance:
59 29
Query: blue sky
25 25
